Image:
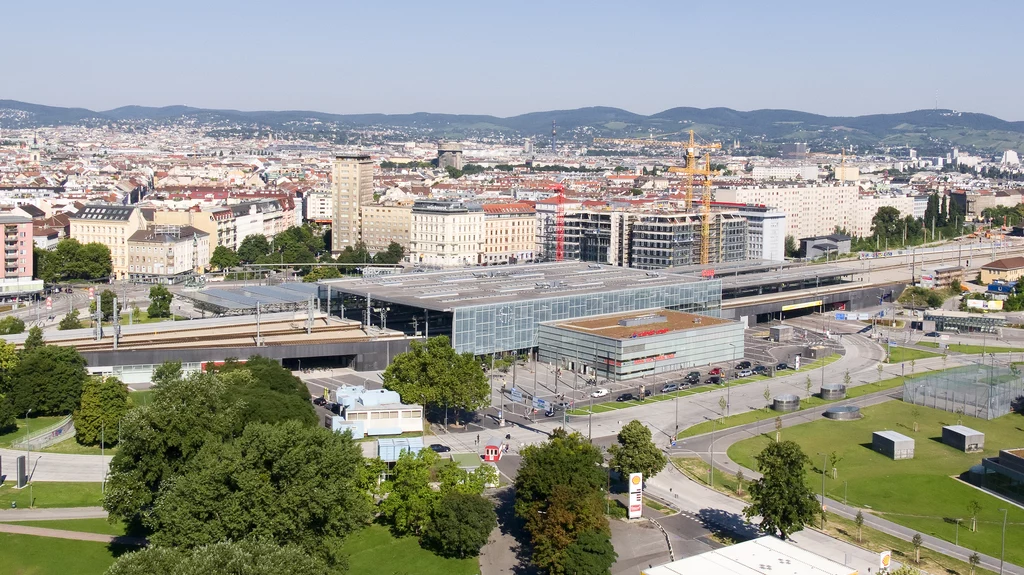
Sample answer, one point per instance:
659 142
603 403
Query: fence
60 431
985 391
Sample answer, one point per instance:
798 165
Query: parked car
743 365
744 373
781 366
438 448
714 379
670 388
599 392
760 370
932 334
693 374
625 397
692 378
319 401
715 371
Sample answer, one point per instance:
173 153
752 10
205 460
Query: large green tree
885 225
34 339
270 392
159 301
106 299
322 273
223 258
591 553
393 255
48 379
7 415
11 325
781 496
435 374
287 482
246 557
572 512
160 438
71 260
104 403
409 499
252 248
70 321
636 452
460 525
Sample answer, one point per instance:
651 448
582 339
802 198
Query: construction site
668 234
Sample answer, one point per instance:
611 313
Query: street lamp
1002 552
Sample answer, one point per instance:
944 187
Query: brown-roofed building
1006 269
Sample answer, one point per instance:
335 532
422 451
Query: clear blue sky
512 57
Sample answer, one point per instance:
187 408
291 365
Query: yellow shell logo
636 480
886 559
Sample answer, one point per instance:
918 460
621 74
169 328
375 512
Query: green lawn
920 493
375 550
33 425
101 526
30 555
900 354
972 349
52 494
141 397
74 448
762 414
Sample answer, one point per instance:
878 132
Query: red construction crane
559 222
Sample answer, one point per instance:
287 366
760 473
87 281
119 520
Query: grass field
30 555
101 526
74 448
920 493
375 550
52 494
767 414
901 354
972 349
33 424
835 526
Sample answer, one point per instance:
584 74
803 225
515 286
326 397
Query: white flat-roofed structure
762 556
893 444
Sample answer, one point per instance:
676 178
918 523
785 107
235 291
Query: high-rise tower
351 188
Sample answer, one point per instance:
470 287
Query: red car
715 371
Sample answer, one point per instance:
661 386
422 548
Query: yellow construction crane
705 213
692 149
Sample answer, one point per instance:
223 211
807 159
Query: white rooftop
762 556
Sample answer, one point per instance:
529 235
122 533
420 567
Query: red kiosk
493 448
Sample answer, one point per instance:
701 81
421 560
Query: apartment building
446 234
788 173
110 225
811 210
766 230
869 204
167 254
18 245
318 206
381 225
509 233
352 187
668 240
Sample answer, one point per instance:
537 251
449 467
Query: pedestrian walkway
52 514
76 535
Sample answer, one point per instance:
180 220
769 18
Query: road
44 466
52 514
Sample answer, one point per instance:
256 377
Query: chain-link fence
985 391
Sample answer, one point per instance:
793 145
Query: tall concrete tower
351 188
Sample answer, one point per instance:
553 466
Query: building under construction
645 238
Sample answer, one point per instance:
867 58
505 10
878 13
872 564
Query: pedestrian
478 439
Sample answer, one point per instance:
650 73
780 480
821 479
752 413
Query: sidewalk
52 514
76 535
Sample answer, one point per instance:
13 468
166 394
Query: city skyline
482 59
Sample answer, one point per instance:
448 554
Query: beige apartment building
382 225
509 233
352 187
811 210
446 234
205 222
111 226
167 254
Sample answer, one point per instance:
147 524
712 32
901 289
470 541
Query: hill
925 129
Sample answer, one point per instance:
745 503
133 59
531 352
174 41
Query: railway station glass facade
512 326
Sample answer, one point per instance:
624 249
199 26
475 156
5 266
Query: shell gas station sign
636 495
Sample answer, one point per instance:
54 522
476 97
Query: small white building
375 412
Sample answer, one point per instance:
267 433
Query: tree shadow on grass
514 527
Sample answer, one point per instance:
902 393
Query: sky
514 57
